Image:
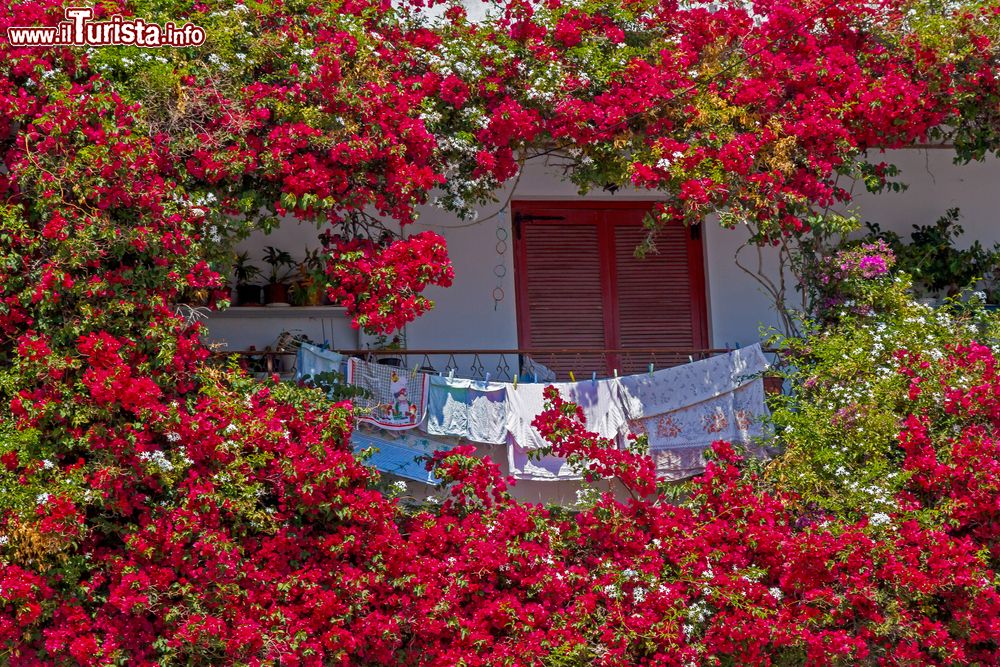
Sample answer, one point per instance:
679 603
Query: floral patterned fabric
398 397
683 410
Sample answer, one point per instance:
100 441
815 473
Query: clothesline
681 410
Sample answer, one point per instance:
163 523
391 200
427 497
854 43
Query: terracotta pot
276 293
248 295
308 294
773 384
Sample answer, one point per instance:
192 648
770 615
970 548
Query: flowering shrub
839 425
857 280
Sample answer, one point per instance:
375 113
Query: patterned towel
398 398
468 409
602 413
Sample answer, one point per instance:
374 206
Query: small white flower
879 519
173 437
399 487
48 465
42 498
776 593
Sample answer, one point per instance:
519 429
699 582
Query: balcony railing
501 365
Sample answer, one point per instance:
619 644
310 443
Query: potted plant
308 288
276 290
246 274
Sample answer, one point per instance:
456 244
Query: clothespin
690 359
593 377
451 375
487 380
414 373
651 369
515 381
572 378
616 372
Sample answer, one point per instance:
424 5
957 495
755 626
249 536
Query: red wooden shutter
580 286
562 279
656 295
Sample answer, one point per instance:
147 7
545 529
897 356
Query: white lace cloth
683 410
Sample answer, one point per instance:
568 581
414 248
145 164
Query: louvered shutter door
562 276
581 286
657 302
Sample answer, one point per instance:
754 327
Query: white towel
602 411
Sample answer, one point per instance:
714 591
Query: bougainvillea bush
161 509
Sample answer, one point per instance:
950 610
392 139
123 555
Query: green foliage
839 427
244 271
333 387
933 259
280 262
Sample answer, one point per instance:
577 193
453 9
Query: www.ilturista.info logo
79 30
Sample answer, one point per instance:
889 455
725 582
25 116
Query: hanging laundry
536 371
467 408
397 397
312 360
602 411
683 410
403 454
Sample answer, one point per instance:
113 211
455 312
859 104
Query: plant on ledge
247 292
281 262
308 287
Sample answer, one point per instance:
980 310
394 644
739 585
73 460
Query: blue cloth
399 455
467 409
312 360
